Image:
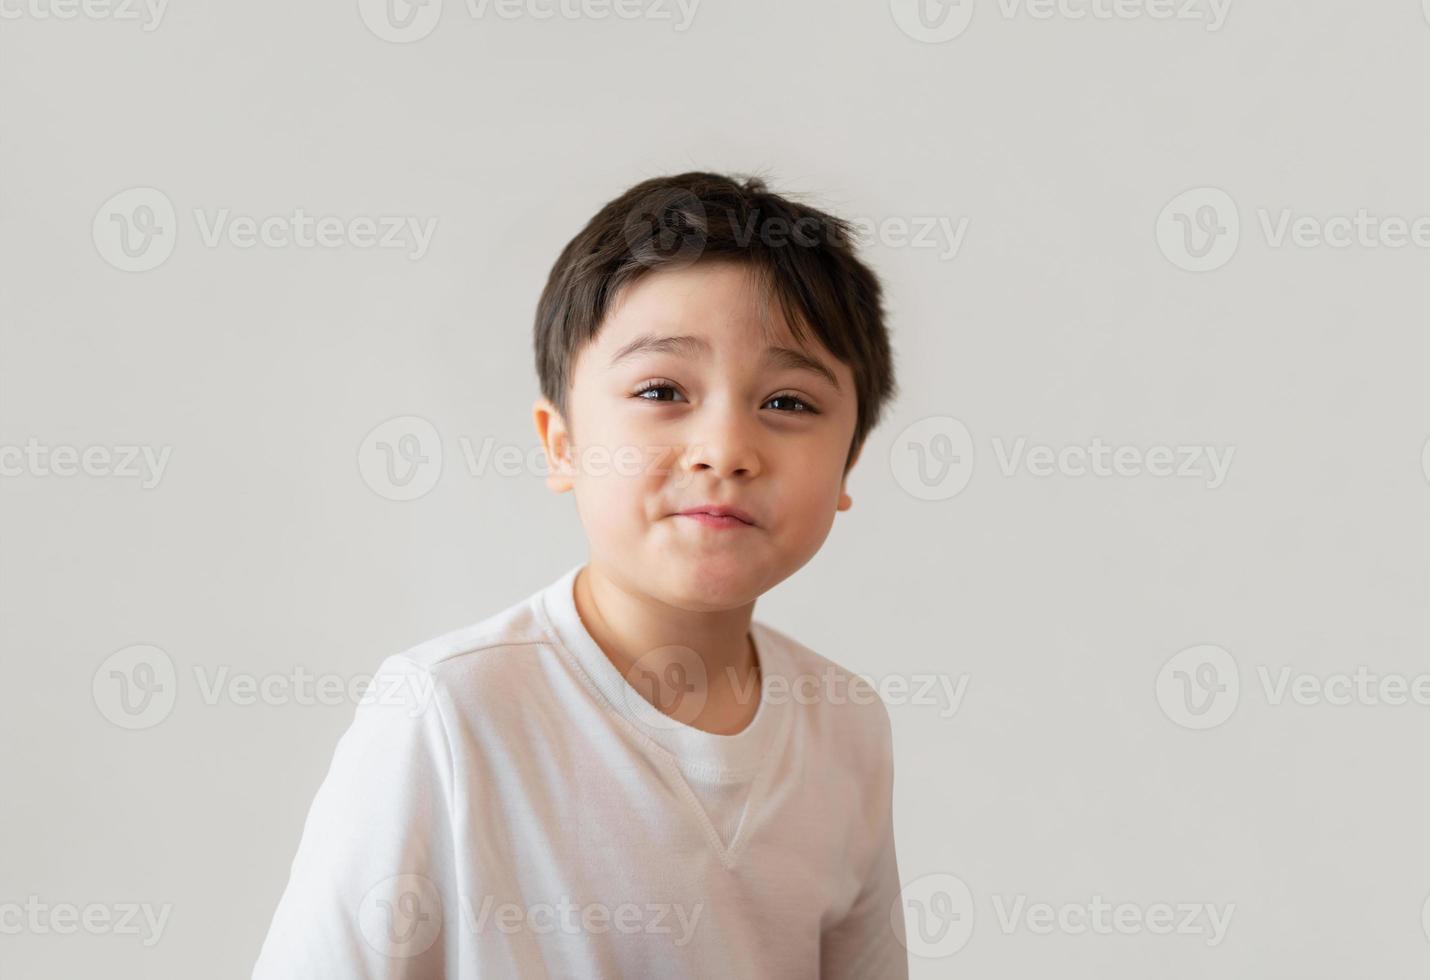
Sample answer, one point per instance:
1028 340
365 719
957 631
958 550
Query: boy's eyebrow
685 345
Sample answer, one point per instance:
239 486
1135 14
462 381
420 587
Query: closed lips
729 512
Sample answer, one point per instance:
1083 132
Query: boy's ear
555 439
846 501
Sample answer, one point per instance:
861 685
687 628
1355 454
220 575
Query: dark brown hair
803 256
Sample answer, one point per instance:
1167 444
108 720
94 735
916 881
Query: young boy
625 775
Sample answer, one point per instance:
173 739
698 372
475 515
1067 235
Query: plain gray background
1066 315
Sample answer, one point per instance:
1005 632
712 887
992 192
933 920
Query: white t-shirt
506 805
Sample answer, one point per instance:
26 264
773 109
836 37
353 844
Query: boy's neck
631 627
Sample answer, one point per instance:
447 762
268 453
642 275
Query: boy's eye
654 391
795 399
645 391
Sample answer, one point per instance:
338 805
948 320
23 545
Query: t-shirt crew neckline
740 754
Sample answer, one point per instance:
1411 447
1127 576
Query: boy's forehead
720 302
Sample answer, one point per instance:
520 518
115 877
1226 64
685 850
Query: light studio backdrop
1138 559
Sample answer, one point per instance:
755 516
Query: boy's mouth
712 515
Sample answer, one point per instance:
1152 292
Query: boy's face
716 420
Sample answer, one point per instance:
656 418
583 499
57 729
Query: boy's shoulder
505 648
853 709
480 644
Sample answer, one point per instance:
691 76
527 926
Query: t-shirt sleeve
371 892
868 943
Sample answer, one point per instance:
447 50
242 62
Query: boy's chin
710 583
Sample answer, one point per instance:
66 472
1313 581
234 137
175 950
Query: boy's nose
725 446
